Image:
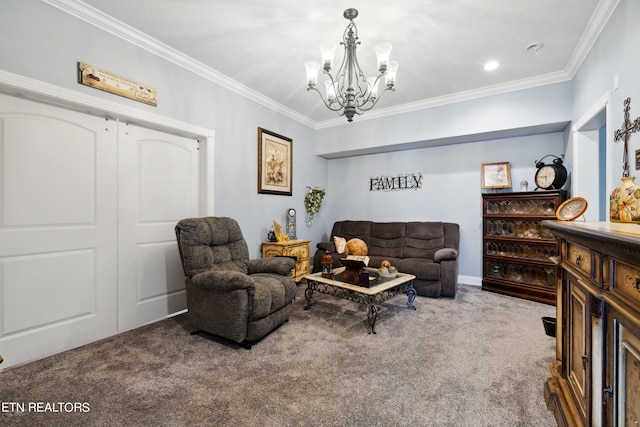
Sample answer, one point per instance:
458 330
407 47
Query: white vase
625 201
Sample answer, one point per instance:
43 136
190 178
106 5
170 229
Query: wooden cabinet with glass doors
516 247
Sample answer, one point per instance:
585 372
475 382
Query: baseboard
470 280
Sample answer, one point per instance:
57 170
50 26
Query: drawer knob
578 259
585 359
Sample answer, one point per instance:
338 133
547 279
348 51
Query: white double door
88 208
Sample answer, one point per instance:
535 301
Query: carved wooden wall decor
107 81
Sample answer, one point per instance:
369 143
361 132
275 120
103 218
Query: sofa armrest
275 265
445 254
327 246
222 281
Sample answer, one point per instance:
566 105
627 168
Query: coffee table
380 289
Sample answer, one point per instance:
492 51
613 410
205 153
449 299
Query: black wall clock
550 176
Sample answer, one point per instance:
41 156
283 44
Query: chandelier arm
361 78
338 85
338 82
330 106
342 68
362 108
365 96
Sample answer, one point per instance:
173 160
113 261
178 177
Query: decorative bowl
388 272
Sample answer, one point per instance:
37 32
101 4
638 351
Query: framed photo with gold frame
275 163
496 175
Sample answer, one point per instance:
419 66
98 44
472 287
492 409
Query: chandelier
350 92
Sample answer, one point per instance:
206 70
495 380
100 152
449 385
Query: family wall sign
410 181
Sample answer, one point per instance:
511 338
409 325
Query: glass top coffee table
380 289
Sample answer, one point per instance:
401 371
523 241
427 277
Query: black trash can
549 326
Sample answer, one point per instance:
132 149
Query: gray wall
452 173
614 53
451 189
473 120
41 42
44 43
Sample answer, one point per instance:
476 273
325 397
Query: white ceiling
259 48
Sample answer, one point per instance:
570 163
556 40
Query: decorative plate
571 209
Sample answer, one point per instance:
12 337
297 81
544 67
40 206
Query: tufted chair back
211 243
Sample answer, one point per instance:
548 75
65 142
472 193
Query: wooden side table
296 248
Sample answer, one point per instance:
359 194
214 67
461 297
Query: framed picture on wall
275 163
496 175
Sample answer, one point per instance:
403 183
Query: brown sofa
428 250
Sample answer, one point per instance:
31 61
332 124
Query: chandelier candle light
350 92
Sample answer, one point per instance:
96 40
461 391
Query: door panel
58 229
159 185
53 162
578 351
37 287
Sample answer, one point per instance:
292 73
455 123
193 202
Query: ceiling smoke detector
534 47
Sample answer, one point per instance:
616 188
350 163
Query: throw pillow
340 243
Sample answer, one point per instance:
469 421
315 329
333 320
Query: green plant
313 202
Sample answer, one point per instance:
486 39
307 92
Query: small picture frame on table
496 175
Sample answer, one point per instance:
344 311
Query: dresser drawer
581 258
301 251
627 280
302 268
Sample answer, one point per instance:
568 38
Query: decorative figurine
280 236
271 235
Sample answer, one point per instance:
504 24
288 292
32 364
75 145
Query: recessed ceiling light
491 65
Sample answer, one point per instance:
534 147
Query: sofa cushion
352 229
423 269
423 239
387 239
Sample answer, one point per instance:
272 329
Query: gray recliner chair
228 294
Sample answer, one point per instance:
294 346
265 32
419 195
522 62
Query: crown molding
119 29
469 95
596 24
107 23
591 33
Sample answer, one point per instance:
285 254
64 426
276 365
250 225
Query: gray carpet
478 360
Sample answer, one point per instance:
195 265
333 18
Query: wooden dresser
596 376
294 248
516 247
